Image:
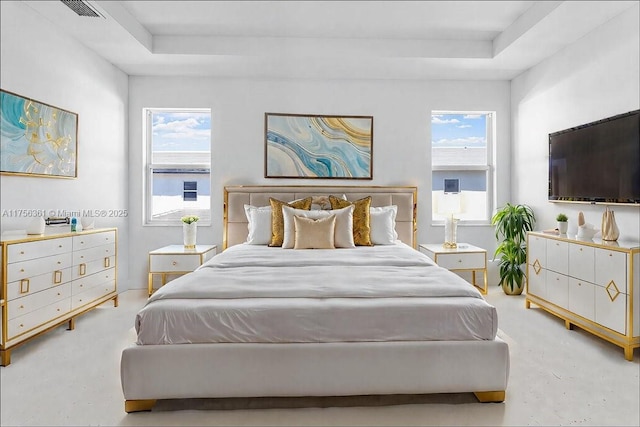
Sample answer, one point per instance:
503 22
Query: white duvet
253 293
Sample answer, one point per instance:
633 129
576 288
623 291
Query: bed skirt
151 372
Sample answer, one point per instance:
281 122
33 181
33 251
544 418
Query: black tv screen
597 162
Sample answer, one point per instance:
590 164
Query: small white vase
189 232
36 226
563 226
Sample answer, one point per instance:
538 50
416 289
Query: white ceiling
331 39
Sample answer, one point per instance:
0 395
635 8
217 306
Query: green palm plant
512 223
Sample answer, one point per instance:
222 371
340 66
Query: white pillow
343 231
382 221
259 224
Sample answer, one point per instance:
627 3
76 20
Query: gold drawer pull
83 269
57 277
22 270
610 254
21 252
107 261
174 263
21 306
24 282
58 309
59 294
22 325
459 260
59 246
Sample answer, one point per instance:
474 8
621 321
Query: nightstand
175 259
463 258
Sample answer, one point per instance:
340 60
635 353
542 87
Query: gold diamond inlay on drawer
612 290
537 267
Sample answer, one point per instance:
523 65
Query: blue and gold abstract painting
305 146
36 139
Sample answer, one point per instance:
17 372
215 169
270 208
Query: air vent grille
81 8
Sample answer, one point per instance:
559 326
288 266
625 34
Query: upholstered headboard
235 197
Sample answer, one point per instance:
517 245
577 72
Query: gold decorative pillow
314 233
277 221
361 218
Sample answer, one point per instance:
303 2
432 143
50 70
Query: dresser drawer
581 262
557 256
27 304
173 263
462 261
84 241
558 289
42 248
26 269
25 323
38 283
84 298
88 268
612 266
97 252
88 282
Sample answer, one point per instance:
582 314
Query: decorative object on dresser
610 230
586 231
592 285
512 223
177 260
189 231
563 223
52 279
38 139
463 257
36 226
314 146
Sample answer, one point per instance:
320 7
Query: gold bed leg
489 396
138 405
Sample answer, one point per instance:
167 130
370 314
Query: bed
369 318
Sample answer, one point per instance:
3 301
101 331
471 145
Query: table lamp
450 204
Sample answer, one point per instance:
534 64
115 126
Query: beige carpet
558 377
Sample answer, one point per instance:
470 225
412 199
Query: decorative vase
36 226
563 226
189 235
610 230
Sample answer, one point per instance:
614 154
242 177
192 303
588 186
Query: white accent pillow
259 224
382 221
343 230
314 233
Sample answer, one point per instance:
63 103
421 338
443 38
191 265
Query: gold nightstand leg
5 357
486 285
473 277
150 284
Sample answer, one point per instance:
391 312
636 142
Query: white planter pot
563 226
189 232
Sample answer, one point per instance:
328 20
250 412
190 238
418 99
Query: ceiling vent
82 8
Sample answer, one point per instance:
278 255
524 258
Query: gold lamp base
449 245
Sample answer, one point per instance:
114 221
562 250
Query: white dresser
592 285
51 279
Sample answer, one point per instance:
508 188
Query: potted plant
512 223
562 223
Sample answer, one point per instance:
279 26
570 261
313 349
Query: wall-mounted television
597 162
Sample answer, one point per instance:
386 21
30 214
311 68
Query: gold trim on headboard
317 188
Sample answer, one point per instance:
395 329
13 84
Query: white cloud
437 119
463 126
472 141
473 116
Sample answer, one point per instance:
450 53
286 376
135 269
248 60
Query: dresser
50 279
177 260
594 285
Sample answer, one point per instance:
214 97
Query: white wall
401 146
596 77
40 62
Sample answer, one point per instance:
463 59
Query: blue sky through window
184 131
458 130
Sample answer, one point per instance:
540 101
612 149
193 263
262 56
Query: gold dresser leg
628 353
115 301
490 396
138 405
72 324
5 357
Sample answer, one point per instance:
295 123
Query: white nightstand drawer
173 263
462 261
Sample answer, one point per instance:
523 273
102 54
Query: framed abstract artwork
37 139
313 146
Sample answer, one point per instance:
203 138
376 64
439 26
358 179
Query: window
178 165
462 176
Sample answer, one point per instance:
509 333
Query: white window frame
489 168
149 167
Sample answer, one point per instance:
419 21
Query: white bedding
260 294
